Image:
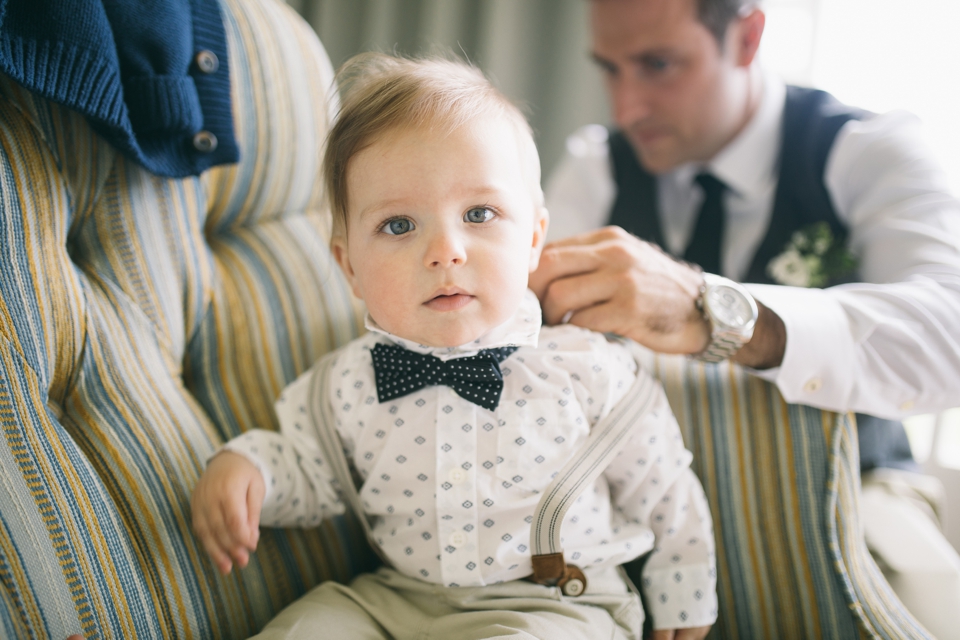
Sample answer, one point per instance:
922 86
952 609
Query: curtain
535 51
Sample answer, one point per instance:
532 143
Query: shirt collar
749 162
521 330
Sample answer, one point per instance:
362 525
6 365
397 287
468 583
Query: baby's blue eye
398 226
478 214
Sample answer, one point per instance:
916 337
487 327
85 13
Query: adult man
725 167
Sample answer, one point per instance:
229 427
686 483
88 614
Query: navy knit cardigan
131 67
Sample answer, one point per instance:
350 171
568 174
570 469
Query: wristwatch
732 313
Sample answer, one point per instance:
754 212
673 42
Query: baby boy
457 408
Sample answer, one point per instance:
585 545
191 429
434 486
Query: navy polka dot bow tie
476 378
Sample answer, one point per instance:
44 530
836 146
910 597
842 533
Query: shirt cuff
818 365
260 448
681 597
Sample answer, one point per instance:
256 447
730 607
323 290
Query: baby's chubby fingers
232 536
208 525
226 510
255 493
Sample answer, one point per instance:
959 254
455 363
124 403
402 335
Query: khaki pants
387 604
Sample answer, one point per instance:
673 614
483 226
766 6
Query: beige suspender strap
332 448
606 440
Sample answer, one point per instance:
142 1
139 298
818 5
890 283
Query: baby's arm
652 484
226 510
264 477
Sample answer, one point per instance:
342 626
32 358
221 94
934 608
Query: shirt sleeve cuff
681 597
818 365
256 446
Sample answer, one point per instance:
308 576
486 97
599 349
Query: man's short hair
716 15
381 93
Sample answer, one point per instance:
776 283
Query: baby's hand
692 633
226 509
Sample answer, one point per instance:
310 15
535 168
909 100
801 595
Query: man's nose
630 100
445 248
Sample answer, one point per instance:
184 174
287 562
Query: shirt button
205 142
206 61
457 476
813 385
906 405
458 538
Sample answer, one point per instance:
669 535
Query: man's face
443 230
675 93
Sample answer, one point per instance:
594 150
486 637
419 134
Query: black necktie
704 246
476 378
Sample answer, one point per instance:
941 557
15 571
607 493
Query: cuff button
813 385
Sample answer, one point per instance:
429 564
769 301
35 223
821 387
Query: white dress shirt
452 487
889 346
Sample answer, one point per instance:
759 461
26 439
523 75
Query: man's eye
655 64
398 226
478 214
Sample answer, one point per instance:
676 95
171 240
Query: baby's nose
445 250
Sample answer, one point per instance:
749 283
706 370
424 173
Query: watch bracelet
719 349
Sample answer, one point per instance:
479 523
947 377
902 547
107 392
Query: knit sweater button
204 142
207 61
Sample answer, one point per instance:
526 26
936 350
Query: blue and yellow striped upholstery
142 322
145 320
783 483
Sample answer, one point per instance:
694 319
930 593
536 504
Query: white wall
877 54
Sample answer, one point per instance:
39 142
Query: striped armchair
143 321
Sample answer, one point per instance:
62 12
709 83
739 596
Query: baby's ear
541 221
338 246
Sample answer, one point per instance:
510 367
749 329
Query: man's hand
611 281
692 633
226 510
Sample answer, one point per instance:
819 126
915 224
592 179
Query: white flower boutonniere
811 259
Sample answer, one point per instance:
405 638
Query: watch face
728 307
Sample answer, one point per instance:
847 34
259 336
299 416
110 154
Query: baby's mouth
449 301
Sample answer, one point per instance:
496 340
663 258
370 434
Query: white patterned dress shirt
888 346
452 487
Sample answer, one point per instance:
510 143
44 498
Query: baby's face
443 230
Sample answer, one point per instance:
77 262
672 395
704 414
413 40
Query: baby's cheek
383 308
507 295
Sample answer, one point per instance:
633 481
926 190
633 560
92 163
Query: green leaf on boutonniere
812 258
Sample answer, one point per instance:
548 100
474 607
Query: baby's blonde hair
381 93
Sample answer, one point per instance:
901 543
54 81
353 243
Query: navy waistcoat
811 121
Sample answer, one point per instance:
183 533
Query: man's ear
747 34
541 222
338 246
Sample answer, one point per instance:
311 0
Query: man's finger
563 262
602 318
663 634
593 236
579 292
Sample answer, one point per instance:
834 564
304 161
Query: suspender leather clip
550 570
